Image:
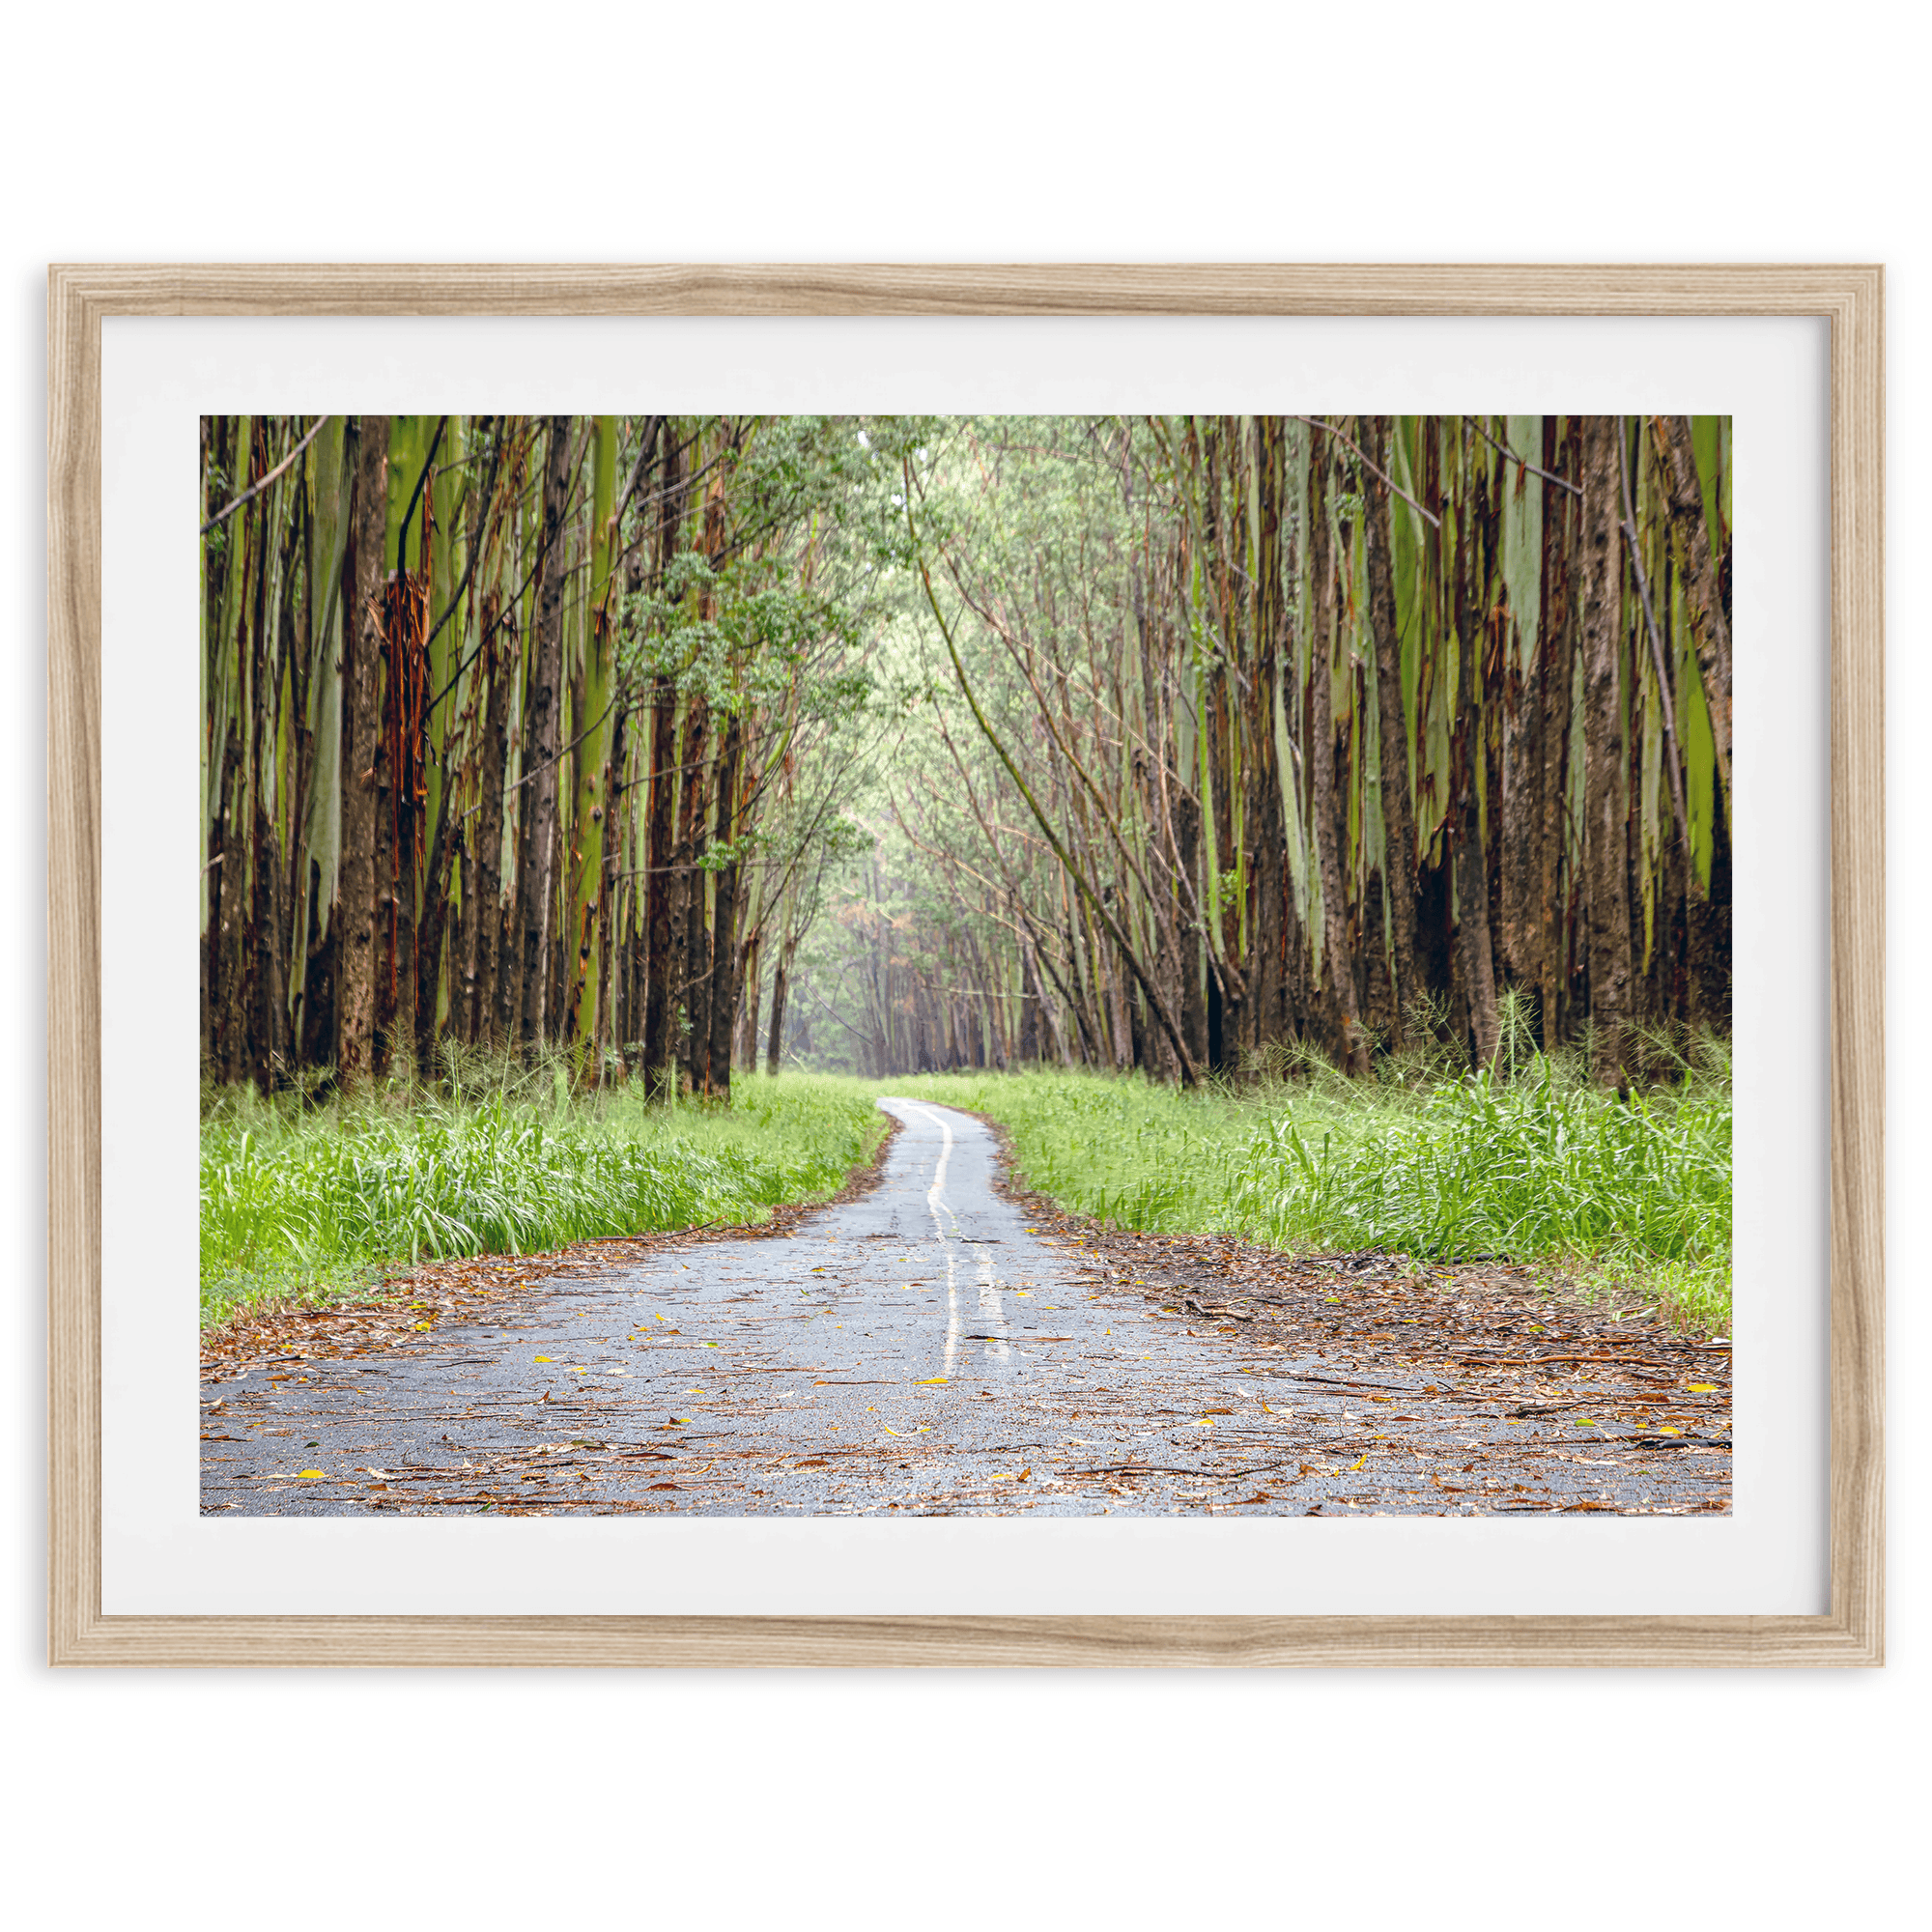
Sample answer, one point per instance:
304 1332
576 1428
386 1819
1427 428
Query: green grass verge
314 1205
1541 1167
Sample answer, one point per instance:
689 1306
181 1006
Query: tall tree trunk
693 938
1606 809
1338 963
463 966
399 826
609 1035
294 928
429 945
1193 1000
319 849
726 964
780 986
594 756
535 890
1710 628
266 916
1556 670
746 1053
659 972
558 981
1224 914
1474 938
1398 817
499 668
362 733
1514 805
1268 900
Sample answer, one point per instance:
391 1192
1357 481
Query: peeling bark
361 736
1606 808
536 888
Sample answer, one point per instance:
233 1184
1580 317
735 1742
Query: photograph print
912 966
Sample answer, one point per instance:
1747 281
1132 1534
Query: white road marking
991 1309
935 1199
951 1315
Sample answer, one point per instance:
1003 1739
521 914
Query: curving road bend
922 1348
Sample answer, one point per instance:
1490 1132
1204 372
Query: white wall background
1658 130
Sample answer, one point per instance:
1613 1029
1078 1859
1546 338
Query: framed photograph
1695 451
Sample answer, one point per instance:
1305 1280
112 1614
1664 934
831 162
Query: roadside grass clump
1532 1169
311 1204
1525 1161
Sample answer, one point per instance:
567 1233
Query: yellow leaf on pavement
1701 1388
545 1358
311 1474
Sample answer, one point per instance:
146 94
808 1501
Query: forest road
925 1349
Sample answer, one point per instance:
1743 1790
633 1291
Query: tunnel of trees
1190 744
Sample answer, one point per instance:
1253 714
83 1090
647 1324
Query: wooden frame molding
78 299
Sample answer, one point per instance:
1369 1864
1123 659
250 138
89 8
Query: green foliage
311 1205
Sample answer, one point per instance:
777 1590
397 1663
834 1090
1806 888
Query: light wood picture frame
1850 298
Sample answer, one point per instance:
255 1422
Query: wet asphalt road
918 1350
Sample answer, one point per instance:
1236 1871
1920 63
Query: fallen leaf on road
924 1382
1355 1465
1701 1388
311 1474
545 1358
